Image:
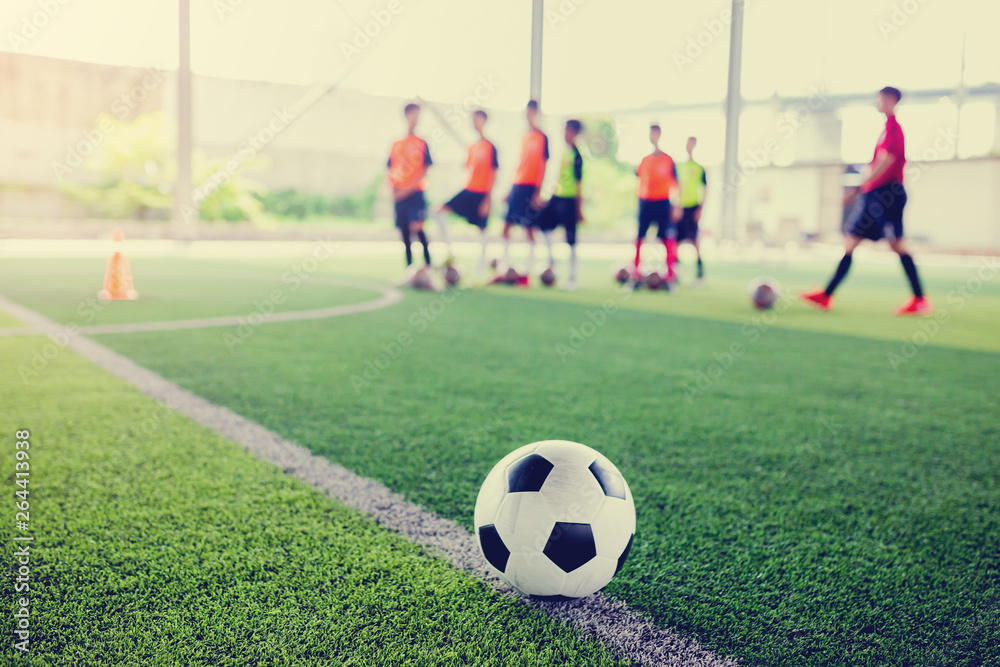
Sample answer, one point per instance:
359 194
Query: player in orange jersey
408 162
473 203
657 183
524 203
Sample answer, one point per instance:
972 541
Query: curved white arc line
390 296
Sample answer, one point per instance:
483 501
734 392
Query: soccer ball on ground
555 520
511 277
623 275
548 277
422 280
654 281
764 293
451 275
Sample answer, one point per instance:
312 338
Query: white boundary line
628 633
390 296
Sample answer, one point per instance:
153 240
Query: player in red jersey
878 211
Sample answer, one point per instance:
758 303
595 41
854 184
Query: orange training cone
118 273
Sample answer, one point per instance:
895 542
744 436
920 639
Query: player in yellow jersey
693 187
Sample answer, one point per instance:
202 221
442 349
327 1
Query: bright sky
599 54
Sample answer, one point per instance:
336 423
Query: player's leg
644 222
417 229
506 243
547 235
515 206
403 225
569 223
529 230
484 242
667 234
851 242
405 233
865 222
894 201
441 217
687 231
919 304
670 244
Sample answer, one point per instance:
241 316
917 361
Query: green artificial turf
171 289
159 543
803 498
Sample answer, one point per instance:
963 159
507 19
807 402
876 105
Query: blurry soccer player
408 162
878 211
565 207
657 182
523 203
473 203
692 187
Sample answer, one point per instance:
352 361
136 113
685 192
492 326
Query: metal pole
537 23
734 103
185 212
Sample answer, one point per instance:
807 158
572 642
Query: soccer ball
622 276
548 277
451 275
511 276
654 280
422 280
555 520
764 292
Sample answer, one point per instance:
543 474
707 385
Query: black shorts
687 228
878 214
655 211
466 205
519 208
410 210
560 212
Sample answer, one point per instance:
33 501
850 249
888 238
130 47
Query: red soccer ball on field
764 293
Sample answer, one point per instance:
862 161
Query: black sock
842 269
701 270
911 273
423 241
406 243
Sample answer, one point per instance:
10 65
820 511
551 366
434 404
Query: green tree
132 171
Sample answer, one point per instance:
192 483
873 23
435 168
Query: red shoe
818 300
522 281
918 305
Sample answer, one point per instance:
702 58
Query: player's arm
398 194
883 162
487 203
704 196
675 196
536 200
578 175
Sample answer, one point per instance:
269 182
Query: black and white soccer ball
555 519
